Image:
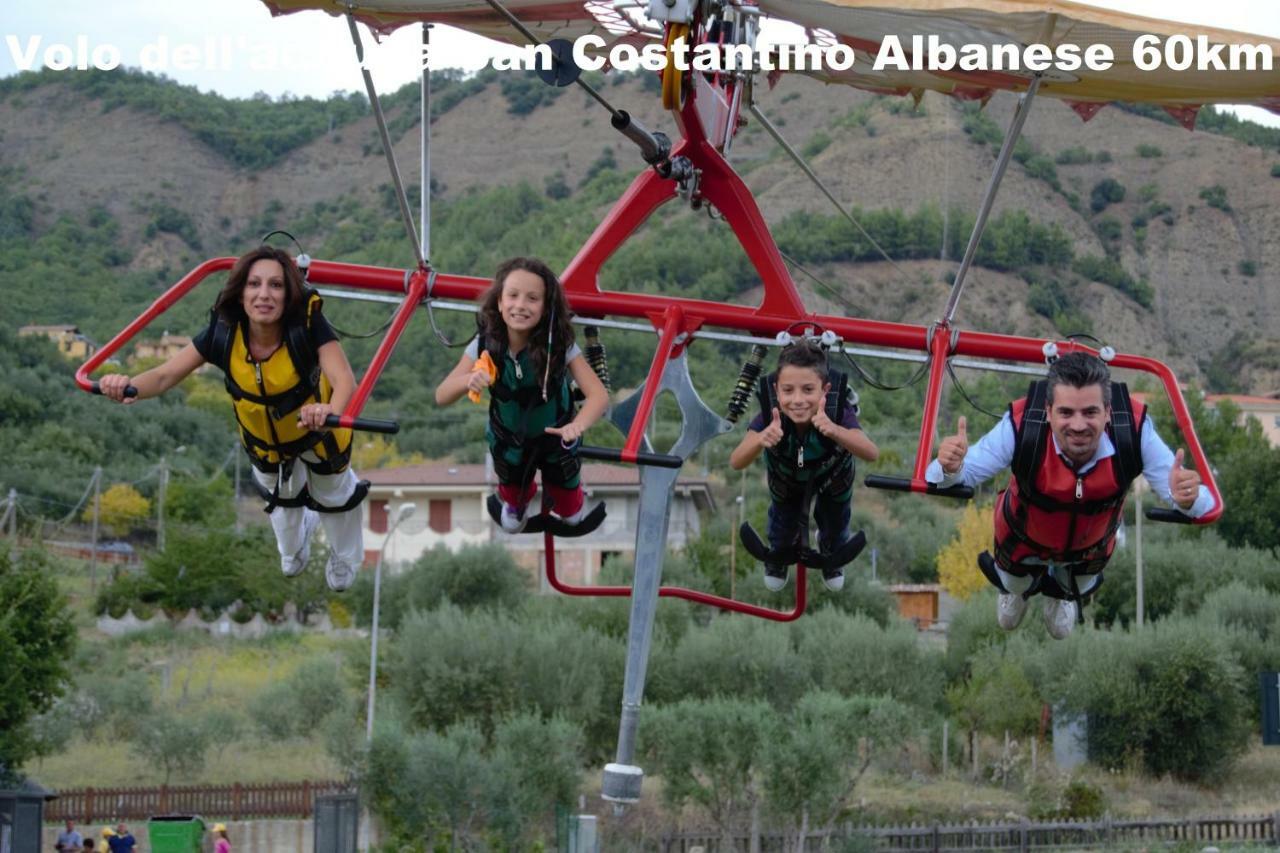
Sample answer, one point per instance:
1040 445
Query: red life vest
1053 514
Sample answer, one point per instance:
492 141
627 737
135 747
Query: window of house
377 516
440 513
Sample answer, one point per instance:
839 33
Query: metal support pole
622 778
1137 516
988 199
385 137
235 493
404 512
164 487
97 508
424 203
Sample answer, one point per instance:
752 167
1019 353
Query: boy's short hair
804 353
1080 370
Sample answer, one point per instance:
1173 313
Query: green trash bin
176 834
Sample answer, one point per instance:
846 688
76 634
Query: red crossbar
694 595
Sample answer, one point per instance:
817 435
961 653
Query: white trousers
343 530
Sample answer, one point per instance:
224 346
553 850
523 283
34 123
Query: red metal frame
706 105
676 314
681 592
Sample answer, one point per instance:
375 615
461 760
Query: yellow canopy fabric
865 24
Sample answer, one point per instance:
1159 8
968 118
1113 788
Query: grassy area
191 675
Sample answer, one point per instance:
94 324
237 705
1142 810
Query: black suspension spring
596 357
746 384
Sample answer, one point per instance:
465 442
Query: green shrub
474 577
1216 196
1166 697
853 655
1147 151
816 144
1106 192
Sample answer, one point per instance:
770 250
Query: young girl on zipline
524 353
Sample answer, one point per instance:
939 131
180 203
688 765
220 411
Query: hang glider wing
866 26
548 19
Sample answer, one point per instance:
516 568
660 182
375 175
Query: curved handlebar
907 484
611 454
1159 513
365 424
129 390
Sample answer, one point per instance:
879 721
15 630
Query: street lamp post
404 512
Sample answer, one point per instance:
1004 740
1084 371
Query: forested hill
1127 227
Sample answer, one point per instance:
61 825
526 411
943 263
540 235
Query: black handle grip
903 484
129 390
613 454
365 424
1159 513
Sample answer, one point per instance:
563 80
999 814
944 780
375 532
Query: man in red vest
1074 445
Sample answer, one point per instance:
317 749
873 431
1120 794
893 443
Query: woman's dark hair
229 304
804 353
555 310
1080 370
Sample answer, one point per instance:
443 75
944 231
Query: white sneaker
339 574
775 576
1009 610
577 517
512 519
293 566
1059 617
833 579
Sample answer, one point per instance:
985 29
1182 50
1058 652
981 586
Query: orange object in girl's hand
483 363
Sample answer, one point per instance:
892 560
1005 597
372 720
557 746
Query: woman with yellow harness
285 372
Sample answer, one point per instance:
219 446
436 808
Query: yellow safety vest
267 396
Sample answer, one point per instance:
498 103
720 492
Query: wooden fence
1005 835
230 802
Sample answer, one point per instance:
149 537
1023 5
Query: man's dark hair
1080 370
805 353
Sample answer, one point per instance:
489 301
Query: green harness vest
797 459
519 417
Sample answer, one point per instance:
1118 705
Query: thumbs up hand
1184 483
772 434
952 450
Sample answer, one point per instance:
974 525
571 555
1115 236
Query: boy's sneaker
512 519
1010 609
775 576
833 579
577 517
293 566
339 574
1059 617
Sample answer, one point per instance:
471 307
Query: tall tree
37 639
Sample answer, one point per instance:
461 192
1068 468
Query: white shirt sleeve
1157 461
986 457
575 351
473 348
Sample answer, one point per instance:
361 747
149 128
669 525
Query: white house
451 511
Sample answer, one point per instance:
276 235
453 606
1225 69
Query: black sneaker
775 576
833 578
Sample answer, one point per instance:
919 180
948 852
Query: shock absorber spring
746 384
595 355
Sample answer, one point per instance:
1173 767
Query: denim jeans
832 518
